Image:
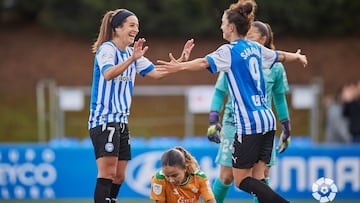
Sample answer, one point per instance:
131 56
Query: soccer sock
266 181
220 190
263 192
114 192
102 190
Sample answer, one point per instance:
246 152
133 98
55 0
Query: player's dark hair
108 25
242 15
265 31
119 18
179 157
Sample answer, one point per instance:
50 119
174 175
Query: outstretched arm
288 56
174 66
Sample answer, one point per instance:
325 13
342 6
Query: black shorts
112 139
249 149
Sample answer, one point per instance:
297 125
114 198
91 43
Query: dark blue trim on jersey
212 68
107 66
276 59
147 70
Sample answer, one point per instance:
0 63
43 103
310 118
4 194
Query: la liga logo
324 190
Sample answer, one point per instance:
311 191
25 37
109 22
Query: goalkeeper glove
214 129
285 137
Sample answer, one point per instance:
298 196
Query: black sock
102 190
262 191
114 192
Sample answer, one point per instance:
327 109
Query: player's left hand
214 129
285 137
302 58
189 45
214 133
139 49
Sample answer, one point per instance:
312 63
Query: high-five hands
185 54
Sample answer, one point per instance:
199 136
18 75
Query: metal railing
51 112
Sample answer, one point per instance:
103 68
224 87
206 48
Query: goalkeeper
276 87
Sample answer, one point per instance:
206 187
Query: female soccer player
115 66
180 179
242 60
276 87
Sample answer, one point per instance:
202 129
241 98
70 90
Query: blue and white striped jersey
241 61
111 100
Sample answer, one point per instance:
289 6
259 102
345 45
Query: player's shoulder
224 48
107 46
159 175
199 174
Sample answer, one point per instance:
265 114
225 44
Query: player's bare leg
222 184
118 179
106 173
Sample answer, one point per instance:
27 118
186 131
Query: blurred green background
51 39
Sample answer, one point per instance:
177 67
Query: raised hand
139 50
189 45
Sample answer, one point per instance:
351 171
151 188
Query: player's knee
238 180
227 180
119 178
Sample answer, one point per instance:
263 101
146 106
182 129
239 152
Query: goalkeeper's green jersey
221 90
276 87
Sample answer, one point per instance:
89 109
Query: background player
115 67
222 184
276 88
180 179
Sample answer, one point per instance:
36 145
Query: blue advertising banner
31 171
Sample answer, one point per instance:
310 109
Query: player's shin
263 192
114 192
102 190
220 190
